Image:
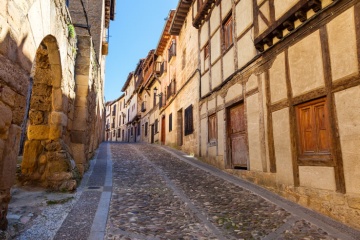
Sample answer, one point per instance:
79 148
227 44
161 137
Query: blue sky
136 30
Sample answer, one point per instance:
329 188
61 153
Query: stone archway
47 159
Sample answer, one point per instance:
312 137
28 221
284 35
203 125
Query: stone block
32 151
11 150
36 117
5 114
41 103
78 137
38 132
58 118
78 153
55 132
353 201
8 96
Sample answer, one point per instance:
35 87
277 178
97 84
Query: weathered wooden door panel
237 136
163 130
239 150
152 133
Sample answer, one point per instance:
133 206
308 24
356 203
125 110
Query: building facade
266 90
279 91
51 79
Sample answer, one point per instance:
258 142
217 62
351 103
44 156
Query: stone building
115 127
274 88
51 87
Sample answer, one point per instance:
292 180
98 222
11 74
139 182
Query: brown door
179 128
152 133
237 137
163 130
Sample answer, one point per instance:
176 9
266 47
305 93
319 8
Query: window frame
212 136
170 122
316 157
188 121
227 33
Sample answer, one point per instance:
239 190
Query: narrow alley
143 191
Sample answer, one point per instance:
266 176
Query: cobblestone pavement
159 194
143 191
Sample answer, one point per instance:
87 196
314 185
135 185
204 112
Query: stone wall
38 96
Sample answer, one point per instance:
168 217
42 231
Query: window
227 33
172 50
118 133
212 129
189 128
170 122
206 51
313 130
146 128
156 126
183 59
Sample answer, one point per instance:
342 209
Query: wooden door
163 130
237 137
152 133
180 128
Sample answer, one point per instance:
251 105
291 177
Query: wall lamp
155 91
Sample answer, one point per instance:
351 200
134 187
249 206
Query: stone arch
46 158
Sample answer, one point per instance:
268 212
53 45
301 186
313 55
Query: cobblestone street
159 193
143 191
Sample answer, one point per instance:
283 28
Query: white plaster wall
216 78
283 6
306 65
348 115
225 8
253 128
228 63
215 46
317 177
277 74
233 92
214 19
342 45
211 104
252 83
282 143
246 48
265 10
203 139
204 35
205 87
221 131
244 16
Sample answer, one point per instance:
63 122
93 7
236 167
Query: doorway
236 132
180 127
163 130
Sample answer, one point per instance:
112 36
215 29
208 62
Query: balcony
143 106
149 67
170 89
160 68
172 50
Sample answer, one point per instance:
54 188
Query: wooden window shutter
314 141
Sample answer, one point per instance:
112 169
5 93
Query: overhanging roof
180 15
165 36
